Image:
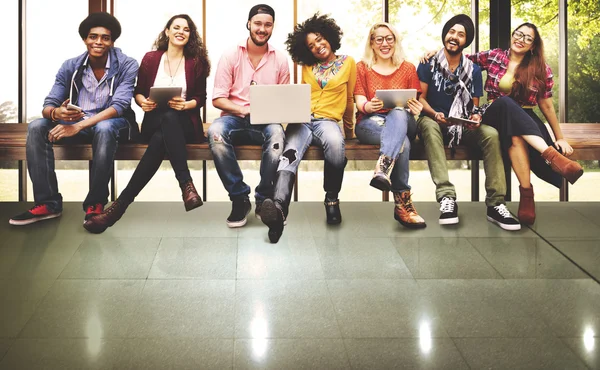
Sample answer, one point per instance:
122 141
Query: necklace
172 75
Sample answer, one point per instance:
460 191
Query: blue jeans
392 131
40 159
227 131
323 133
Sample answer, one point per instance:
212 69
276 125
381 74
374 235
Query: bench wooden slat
585 139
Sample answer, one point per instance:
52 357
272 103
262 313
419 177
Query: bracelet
364 109
52 118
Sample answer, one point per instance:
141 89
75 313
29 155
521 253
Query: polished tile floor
166 289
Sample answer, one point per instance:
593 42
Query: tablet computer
162 94
461 121
396 98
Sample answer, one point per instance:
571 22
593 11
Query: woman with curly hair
332 78
383 67
179 59
518 80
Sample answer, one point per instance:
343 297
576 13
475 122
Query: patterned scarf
325 71
458 85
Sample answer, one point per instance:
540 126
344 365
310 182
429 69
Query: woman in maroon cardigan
180 60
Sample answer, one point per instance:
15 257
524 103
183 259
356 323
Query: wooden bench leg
385 196
22 181
508 176
89 175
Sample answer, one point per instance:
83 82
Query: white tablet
161 95
396 98
461 121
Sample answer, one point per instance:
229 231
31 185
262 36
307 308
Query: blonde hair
370 58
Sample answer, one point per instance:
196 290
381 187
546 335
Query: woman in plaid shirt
519 79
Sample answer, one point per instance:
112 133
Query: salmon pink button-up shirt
235 73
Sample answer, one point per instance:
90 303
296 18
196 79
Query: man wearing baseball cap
452 86
252 61
89 102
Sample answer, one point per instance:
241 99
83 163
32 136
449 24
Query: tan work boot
405 212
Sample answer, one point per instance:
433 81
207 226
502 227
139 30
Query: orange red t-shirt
368 82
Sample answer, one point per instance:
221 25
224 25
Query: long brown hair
194 48
531 72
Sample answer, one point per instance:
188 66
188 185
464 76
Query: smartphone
74 107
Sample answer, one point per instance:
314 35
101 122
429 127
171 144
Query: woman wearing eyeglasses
383 67
180 60
331 77
518 80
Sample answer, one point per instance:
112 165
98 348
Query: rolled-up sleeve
223 77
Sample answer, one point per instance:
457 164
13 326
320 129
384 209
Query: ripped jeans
321 132
227 131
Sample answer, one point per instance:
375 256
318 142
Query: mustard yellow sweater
336 100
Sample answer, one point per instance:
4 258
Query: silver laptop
396 98
279 104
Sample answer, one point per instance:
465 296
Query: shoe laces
408 204
447 205
503 211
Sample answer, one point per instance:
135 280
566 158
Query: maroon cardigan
195 79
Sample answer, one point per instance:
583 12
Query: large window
49 44
9 17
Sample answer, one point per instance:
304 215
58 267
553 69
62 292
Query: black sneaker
239 210
449 210
500 216
35 214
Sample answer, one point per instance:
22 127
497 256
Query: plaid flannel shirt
495 62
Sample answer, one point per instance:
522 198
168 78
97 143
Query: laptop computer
279 104
396 98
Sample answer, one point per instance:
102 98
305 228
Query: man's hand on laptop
245 110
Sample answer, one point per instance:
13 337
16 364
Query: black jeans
167 131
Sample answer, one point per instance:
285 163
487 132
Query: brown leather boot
567 168
190 196
526 212
383 170
405 212
97 224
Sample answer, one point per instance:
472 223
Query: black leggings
166 131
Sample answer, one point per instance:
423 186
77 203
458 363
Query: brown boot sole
193 204
409 225
575 176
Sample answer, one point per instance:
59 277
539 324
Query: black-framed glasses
379 39
518 35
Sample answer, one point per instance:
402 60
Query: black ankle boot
332 184
332 210
274 211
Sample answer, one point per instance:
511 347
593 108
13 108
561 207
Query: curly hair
317 24
194 48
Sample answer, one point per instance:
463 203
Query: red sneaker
94 210
37 213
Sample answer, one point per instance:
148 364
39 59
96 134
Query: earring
531 51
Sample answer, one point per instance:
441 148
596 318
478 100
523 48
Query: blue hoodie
121 77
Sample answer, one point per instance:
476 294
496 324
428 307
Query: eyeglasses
520 35
379 39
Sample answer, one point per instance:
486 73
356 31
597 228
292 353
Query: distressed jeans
392 132
227 131
40 160
325 134
486 138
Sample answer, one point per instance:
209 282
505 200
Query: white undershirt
163 79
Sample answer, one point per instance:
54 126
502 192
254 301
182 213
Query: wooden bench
585 139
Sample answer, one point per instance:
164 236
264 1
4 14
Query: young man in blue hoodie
89 102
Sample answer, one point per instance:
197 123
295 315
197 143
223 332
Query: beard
259 43
458 51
